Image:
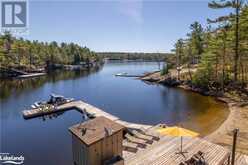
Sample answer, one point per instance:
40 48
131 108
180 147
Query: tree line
134 56
25 54
218 51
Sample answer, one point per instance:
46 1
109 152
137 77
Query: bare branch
221 19
220 5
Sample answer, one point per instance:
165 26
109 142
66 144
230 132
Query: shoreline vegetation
20 58
238 107
134 56
213 61
24 58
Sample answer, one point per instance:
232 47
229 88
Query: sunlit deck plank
165 153
161 152
81 106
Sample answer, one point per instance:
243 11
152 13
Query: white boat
121 74
38 104
54 100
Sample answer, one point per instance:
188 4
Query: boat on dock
82 107
55 100
137 146
121 74
30 75
124 74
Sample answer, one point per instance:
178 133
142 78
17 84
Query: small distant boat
121 74
54 100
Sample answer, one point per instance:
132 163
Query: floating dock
31 75
128 75
82 107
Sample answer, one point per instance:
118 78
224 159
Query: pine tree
196 39
244 44
236 5
179 53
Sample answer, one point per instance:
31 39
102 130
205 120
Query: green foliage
18 52
196 39
134 56
221 53
234 20
165 69
205 72
179 52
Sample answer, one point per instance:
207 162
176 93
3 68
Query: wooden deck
80 106
158 153
163 152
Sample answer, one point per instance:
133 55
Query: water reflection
200 113
47 140
16 86
51 116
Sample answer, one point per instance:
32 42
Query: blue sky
134 26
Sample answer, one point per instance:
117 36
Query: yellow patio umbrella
178 131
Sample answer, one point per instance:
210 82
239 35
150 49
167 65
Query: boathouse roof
95 129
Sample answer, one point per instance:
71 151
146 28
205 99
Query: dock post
235 134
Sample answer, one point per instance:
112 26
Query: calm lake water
47 140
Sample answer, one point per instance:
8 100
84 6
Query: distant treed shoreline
25 54
134 56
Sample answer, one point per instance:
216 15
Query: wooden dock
31 75
129 75
158 153
81 106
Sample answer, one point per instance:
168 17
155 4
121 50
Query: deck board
159 153
81 106
164 152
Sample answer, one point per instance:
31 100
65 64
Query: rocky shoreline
171 81
237 118
11 72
